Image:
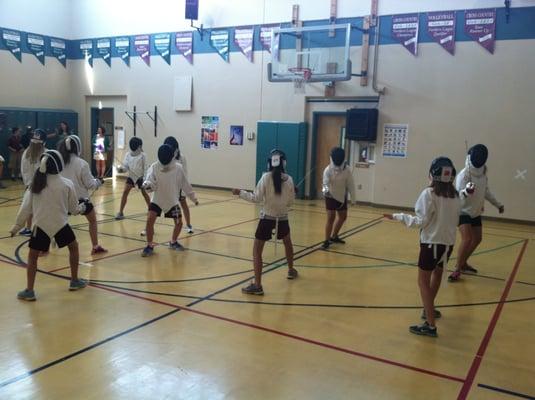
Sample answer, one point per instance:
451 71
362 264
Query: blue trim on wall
521 26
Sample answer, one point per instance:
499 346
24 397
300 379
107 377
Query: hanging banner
57 46
184 44
243 37
86 47
265 36
441 27
104 50
480 25
36 44
162 42
11 40
209 132
405 31
142 46
122 45
219 40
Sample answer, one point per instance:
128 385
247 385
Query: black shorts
265 228
174 212
138 183
88 207
334 205
427 260
41 241
467 219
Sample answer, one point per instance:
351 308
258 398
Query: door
265 142
104 118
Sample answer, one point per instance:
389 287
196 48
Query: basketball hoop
300 77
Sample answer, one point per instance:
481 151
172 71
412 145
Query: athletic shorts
173 213
429 259
138 183
467 219
334 205
41 241
265 228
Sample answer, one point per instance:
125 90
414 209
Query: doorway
103 117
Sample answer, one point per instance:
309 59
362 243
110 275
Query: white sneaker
189 229
143 232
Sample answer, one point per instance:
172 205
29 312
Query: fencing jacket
77 171
166 183
51 207
136 164
27 168
472 204
436 216
338 181
182 161
275 206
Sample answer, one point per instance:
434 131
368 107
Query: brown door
328 136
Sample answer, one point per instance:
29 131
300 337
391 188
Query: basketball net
300 78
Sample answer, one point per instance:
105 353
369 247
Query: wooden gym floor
176 326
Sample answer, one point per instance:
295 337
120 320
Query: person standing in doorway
100 152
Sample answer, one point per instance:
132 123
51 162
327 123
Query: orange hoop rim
306 73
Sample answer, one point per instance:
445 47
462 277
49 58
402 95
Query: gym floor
177 326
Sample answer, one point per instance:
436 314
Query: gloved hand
147 187
470 187
14 230
501 209
121 169
98 183
196 202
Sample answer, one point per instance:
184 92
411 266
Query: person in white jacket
337 183
276 191
50 199
165 179
135 162
437 212
472 184
77 171
30 164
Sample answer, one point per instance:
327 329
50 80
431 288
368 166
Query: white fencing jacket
338 181
136 165
78 172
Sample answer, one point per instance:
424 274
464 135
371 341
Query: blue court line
505 391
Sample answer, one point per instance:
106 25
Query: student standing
15 153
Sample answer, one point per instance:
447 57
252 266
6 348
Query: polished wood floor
176 325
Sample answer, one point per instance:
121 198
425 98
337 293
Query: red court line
476 363
289 335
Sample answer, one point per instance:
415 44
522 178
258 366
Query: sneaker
98 250
437 313
176 246
189 229
147 251
25 232
469 269
253 289
77 284
28 295
336 239
425 330
455 276
325 245
119 216
292 273
143 233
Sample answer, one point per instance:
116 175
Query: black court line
506 391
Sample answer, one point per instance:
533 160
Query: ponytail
276 173
38 183
66 154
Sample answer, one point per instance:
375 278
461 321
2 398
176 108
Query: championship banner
219 40
480 25
142 46
405 31
86 47
265 36
104 50
184 44
58 46
162 42
122 46
11 40
36 44
441 27
243 37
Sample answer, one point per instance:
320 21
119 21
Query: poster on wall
209 132
405 31
104 50
86 47
122 46
236 135
395 138
57 46
243 37
142 46
11 40
265 36
36 44
480 25
441 27
219 40
162 42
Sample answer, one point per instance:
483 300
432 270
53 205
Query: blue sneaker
25 232
77 284
28 295
176 246
147 251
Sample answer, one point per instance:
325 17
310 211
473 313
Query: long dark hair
66 154
444 189
39 182
276 173
67 130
